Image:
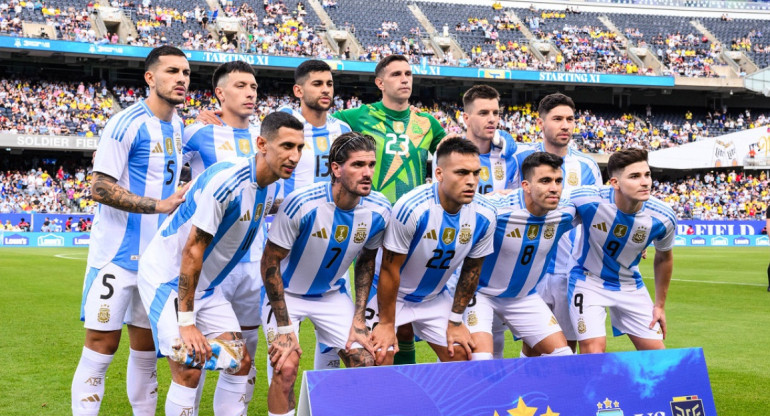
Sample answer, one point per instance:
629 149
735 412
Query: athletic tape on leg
226 355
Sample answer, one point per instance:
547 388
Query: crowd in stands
589 49
686 55
38 191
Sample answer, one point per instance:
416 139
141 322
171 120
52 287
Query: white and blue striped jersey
579 169
323 239
434 241
224 201
313 165
524 244
498 171
206 144
144 154
613 241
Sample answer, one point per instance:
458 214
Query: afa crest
533 231
640 236
258 212
620 231
398 127
169 142
244 145
322 143
360 234
104 314
498 171
341 233
473 320
448 235
572 178
465 234
178 142
484 174
549 231
270 336
581 327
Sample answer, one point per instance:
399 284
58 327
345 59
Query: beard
314 105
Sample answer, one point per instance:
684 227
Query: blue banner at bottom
643 383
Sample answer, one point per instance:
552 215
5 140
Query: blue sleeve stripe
301 197
409 198
125 117
410 206
305 200
385 204
126 122
232 183
669 215
483 202
582 193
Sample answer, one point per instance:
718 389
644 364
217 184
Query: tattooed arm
284 344
466 288
105 190
364 274
192 262
384 334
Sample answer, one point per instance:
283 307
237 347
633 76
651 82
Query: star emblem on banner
550 412
522 409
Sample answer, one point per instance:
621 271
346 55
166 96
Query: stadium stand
743 35
38 191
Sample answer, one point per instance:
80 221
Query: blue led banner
339 65
719 227
721 241
32 239
644 383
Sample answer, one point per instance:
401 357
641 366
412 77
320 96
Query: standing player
433 230
195 250
235 87
620 221
404 140
530 220
317 233
556 119
136 171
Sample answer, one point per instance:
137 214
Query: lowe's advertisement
33 239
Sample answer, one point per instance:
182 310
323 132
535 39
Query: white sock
498 342
251 338
142 382
230 395
199 392
289 413
479 356
180 400
88 382
326 359
559 352
251 381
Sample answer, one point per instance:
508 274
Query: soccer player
136 172
619 222
556 119
529 223
235 87
318 232
195 250
433 230
404 140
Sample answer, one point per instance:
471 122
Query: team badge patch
620 231
398 127
640 235
104 314
270 336
322 143
533 231
169 146
448 235
498 171
178 142
549 231
244 145
341 233
465 234
473 320
581 326
258 212
268 204
484 174
360 234
572 178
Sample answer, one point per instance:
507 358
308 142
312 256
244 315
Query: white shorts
110 298
553 289
242 289
331 314
630 311
528 317
429 318
213 313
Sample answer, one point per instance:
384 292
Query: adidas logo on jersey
246 216
514 234
226 146
321 234
600 226
431 235
158 148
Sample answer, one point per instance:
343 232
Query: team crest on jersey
448 235
270 336
178 142
549 231
360 234
398 127
473 320
244 145
484 174
498 172
465 234
268 204
258 212
341 233
169 146
533 231
322 143
620 231
640 236
572 178
581 326
104 314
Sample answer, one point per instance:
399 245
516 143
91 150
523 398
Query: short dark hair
274 121
154 56
620 159
384 62
480 92
311 65
230 67
551 101
539 159
347 143
455 145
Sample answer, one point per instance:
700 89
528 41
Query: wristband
185 318
455 317
288 329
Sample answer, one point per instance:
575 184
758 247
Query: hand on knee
288 374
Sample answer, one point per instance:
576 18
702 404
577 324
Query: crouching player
530 221
195 249
317 233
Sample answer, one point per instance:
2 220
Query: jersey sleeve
210 210
379 225
191 142
485 245
285 229
666 242
398 235
113 150
438 133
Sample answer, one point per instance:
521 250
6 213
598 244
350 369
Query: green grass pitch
717 301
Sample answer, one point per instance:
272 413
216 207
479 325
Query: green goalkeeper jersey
404 140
